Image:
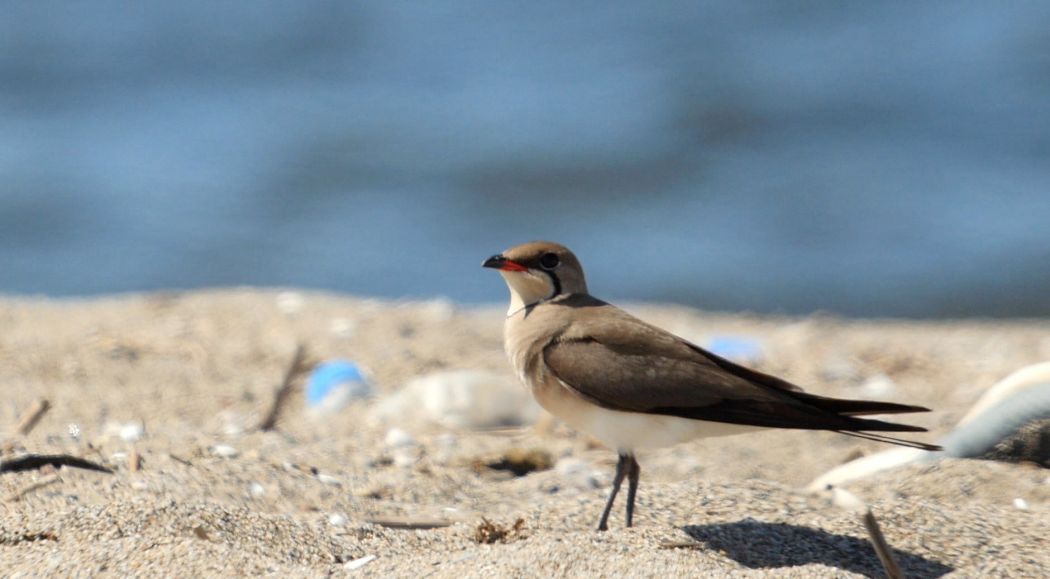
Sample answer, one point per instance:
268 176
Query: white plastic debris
358 563
469 399
224 451
333 384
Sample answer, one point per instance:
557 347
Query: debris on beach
520 461
39 461
334 384
488 532
461 399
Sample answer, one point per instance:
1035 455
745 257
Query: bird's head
539 270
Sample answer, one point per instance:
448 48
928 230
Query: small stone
397 438
342 327
224 451
337 520
256 490
290 302
358 563
132 431
879 386
1021 504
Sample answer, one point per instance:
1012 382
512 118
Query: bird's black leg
633 472
621 471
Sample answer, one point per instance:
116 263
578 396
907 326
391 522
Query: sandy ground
199 370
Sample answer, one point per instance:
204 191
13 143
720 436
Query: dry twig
297 366
42 461
32 416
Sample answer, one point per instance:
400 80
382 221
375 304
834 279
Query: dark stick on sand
298 366
32 416
36 461
882 547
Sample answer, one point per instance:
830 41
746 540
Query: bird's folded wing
663 379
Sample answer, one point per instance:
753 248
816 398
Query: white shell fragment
225 451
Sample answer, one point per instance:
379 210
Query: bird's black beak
501 263
495 262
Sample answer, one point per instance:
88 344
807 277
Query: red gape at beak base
513 266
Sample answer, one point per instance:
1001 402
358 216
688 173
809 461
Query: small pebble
342 327
256 490
405 457
397 438
1020 504
336 520
74 431
131 432
225 451
358 563
290 302
329 479
879 386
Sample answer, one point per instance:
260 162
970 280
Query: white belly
627 431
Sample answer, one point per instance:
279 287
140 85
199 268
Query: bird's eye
549 261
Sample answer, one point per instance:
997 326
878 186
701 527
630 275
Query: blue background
876 159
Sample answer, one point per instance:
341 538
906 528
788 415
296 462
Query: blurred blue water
869 159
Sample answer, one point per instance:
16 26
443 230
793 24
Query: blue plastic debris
333 384
736 348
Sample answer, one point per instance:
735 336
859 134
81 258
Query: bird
635 386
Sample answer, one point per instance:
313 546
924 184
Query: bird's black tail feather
892 440
849 407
